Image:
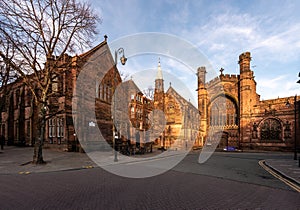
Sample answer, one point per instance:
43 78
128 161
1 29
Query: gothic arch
223 110
226 95
270 129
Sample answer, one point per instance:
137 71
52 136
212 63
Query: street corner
286 171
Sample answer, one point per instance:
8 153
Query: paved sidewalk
17 160
287 167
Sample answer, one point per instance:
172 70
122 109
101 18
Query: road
225 181
241 167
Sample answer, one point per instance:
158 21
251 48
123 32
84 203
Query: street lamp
295 124
123 60
295 127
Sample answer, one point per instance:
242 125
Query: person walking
2 141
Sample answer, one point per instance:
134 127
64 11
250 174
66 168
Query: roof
93 50
159 74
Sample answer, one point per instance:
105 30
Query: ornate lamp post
295 127
123 60
295 124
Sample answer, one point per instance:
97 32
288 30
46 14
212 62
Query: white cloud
221 31
280 86
283 46
271 83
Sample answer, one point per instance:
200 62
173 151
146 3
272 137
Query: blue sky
221 30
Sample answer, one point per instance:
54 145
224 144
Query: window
60 127
132 112
223 112
52 127
270 129
17 98
55 84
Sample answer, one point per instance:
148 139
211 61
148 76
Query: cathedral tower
247 97
202 100
159 89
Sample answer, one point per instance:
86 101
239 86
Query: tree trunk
38 146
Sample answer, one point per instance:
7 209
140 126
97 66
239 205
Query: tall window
223 112
17 98
60 127
55 83
51 127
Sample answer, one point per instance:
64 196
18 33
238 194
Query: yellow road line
278 176
24 172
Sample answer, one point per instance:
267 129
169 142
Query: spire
159 71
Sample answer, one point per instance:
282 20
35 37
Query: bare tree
41 32
149 92
7 75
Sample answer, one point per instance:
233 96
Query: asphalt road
226 181
241 167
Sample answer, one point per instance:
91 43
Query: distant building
167 120
182 118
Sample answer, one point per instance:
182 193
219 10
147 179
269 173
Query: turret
244 61
247 96
202 100
201 73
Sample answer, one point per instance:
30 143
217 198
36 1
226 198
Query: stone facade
19 118
231 108
181 117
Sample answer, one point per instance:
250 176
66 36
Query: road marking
278 176
24 172
87 167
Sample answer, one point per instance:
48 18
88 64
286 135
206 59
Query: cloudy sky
221 30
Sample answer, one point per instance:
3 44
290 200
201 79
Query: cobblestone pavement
60 184
98 189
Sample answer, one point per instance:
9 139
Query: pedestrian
2 141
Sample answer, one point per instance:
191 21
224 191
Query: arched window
223 112
270 129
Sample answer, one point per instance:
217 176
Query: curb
280 175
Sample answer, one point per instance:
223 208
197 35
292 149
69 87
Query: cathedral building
232 110
182 118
